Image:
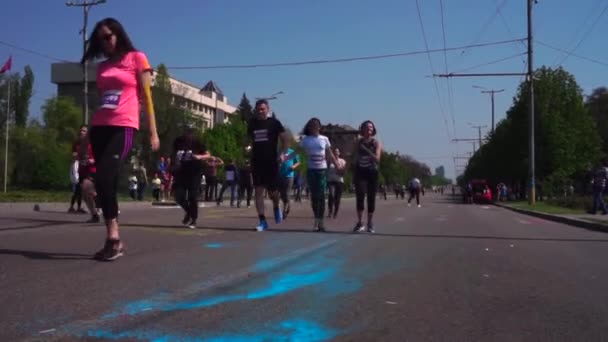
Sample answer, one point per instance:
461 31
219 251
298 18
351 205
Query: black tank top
367 161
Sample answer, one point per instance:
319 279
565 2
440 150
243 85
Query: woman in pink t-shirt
123 81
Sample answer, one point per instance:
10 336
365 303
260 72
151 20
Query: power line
584 36
343 60
505 23
485 27
491 62
428 54
445 61
580 28
572 54
36 53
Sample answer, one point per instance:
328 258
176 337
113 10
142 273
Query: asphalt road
443 272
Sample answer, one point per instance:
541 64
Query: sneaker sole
118 255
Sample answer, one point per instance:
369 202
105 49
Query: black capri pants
111 145
366 184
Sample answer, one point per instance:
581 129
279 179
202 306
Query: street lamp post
271 97
86 5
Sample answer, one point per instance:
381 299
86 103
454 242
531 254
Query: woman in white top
335 183
317 149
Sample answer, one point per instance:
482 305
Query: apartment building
208 103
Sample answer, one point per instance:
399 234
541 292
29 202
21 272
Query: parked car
481 191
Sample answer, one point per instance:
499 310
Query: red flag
7 66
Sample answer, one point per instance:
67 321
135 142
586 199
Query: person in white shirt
414 188
317 148
75 181
133 185
335 183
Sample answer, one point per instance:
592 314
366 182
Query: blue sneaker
262 226
278 216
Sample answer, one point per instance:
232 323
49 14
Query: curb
598 227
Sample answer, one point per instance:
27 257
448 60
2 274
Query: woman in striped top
368 153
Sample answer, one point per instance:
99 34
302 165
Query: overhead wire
33 52
445 61
592 11
344 59
484 28
428 54
448 79
597 19
588 59
490 62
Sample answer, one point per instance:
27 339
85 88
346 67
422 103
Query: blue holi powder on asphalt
134 308
153 336
285 283
265 265
322 273
289 330
214 245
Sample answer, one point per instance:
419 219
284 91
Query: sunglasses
107 37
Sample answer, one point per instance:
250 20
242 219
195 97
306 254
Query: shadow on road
377 234
39 223
45 255
50 223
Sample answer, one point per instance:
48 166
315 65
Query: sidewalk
581 220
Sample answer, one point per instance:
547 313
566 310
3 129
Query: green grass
546 208
44 196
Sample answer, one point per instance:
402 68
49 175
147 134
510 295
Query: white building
209 103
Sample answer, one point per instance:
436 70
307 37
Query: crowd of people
191 173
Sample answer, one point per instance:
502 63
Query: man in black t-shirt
265 133
189 153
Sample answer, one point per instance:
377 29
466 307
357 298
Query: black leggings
414 193
77 195
245 188
111 145
366 183
186 194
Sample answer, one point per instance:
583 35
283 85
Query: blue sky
395 93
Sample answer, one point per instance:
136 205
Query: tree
21 94
597 104
170 119
62 116
567 141
245 110
225 140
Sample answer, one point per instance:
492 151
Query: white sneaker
409 205
262 226
419 206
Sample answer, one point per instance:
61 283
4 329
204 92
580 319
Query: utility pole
532 195
530 77
491 92
479 131
86 5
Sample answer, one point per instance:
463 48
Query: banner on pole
7 65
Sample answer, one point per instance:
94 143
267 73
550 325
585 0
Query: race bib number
184 155
260 135
111 99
